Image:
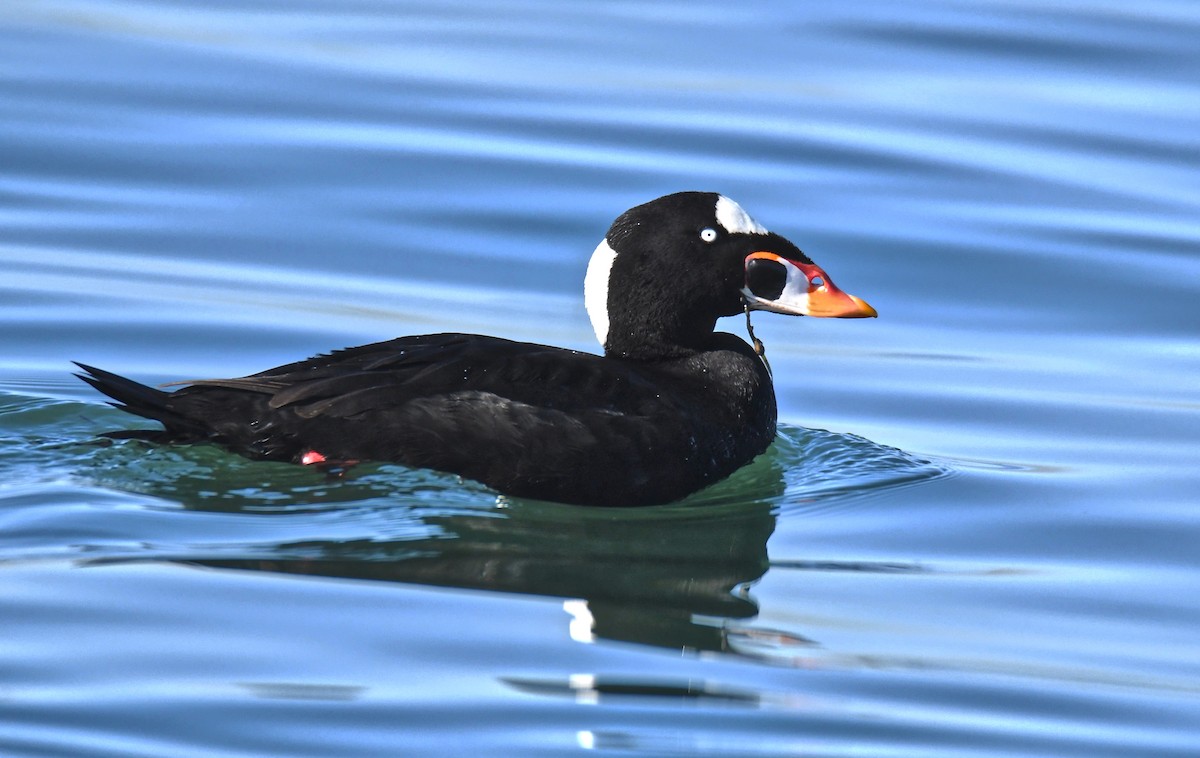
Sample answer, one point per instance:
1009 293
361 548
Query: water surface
976 534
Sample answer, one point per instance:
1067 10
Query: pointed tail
134 398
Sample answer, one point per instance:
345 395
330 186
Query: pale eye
708 235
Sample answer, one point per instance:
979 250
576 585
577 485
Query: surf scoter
670 407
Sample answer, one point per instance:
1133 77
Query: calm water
977 534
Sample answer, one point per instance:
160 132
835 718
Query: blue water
976 535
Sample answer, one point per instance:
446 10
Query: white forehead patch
735 220
595 289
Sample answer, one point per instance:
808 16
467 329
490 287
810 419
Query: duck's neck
642 324
657 336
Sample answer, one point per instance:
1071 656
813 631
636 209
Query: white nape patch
595 289
735 220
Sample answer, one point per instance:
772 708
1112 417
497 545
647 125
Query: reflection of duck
670 408
642 576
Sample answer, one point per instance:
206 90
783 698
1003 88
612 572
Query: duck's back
529 420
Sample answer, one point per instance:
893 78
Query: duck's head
668 269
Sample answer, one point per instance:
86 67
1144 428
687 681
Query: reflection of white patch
735 220
581 625
595 289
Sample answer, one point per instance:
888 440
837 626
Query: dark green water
976 536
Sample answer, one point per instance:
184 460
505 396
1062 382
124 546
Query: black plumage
670 408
